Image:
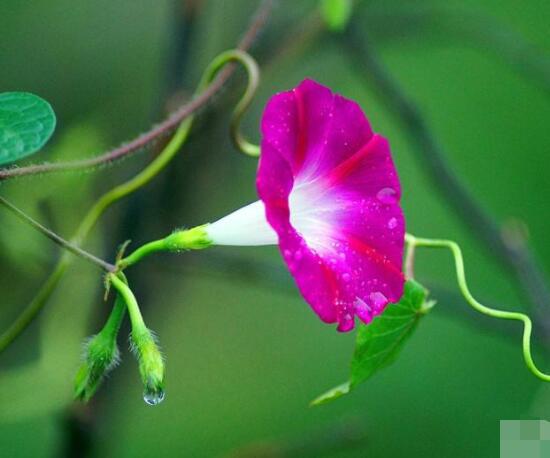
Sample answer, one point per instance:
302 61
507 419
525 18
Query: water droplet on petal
153 397
392 223
387 196
346 323
346 277
378 300
363 310
298 255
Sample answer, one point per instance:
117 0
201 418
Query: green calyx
188 239
195 238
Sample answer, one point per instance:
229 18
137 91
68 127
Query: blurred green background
244 353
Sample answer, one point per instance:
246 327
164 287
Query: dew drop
378 300
363 310
387 196
361 306
346 277
392 223
298 255
346 323
153 398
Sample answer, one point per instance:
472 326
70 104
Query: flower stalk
190 239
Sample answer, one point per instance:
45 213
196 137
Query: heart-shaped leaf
378 344
26 124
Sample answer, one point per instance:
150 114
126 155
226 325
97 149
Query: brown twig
67 245
159 131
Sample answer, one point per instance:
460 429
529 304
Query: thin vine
414 242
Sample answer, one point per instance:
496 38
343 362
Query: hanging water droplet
153 397
387 196
392 223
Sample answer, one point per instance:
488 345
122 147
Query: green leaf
332 394
26 124
336 13
378 344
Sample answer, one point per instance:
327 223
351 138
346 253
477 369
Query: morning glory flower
329 197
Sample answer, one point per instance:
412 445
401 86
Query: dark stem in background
510 249
178 73
79 431
183 24
515 255
263 274
474 29
80 423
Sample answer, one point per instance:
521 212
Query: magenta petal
331 193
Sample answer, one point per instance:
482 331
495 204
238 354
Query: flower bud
151 365
101 355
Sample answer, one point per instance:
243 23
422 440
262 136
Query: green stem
101 205
56 238
138 325
151 362
253 72
253 80
463 286
31 311
113 323
143 251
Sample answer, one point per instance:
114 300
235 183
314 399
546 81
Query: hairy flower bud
151 365
101 355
